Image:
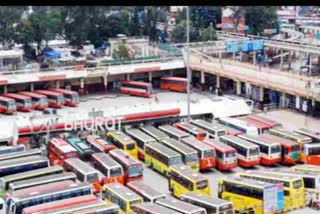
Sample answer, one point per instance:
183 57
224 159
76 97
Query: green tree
121 52
134 28
151 17
208 34
179 33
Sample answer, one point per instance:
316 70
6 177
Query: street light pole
188 64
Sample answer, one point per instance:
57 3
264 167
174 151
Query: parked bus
180 206
23 103
306 168
261 127
148 193
183 180
142 139
84 172
239 125
136 88
231 131
12 149
189 155
173 132
14 186
294 191
124 142
252 196
211 204
268 122
206 154
161 158
71 98
225 155
197 132
112 170
121 195
174 84
270 152
315 136
7 105
9 167
55 99
310 153
98 144
133 169
59 150
214 129
154 132
248 154
39 101
151 208
18 200
81 146
289 149
26 153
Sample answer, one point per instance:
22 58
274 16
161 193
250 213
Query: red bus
59 150
136 88
267 122
225 155
55 99
207 154
7 105
199 133
174 84
290 150
133 169
98 144
71 98
23 103
111 169
39 101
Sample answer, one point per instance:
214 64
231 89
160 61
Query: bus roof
247 181
2 98
174 131
230 130
163 149
287 132
239 141
121 137
16 96
196 144
24 160
312 145
256 139
31 94
140 135
307 166
124 157
106 160
296 173
62 145
63 91
47 92
154 208
175 78
154 132
207 199
136 83
273 138
188 173
173 203
205 124
268 122
84 167
219 145
269 174
178 146
192 128
309 133
144 189
26 153
123 191
254 123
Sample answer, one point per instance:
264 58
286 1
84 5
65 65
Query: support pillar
5 89
238 82
220 57
128 77
233 55
261 95
283 100
105 82
319 60
310 64
81 83
281 59
32 86
57 84
217 84
255 57
202 77
289 60
241 56
150 77
1 62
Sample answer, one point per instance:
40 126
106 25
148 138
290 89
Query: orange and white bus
136 88
23 103
199 133
55 99
311 153
7 105
59 150
39 101
98 144
71 98
269 123
174 84
214 129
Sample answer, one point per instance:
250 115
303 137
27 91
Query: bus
174 84
142 139
231 131
197 132
248 154
112 170
71 98
81 146
173 132
154 132
315 136
133 169
239 125
252 196
270 152
9 167
14 186
225 155
310 153
39 101
12 149
18 200
161 158
84 172
151 208
23 103
183 180
180 206
306 168
261 127
55 99
98 144
289 149
136 88
26 153
294 191
268 122
213 129
124 142
206 154
59 150
211 204
7 105
148 193
189 155
121 195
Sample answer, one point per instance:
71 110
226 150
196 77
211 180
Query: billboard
245 46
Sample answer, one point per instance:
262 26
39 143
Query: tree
121 52
208 34
179 33
134 28
151 17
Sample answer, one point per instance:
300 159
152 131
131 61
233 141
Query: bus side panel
173 87
177 189
157 165
244 203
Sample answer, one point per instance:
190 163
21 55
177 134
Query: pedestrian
156 99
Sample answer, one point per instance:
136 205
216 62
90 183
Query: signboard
246 46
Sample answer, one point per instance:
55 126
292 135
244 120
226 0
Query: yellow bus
251 196
306 168
183 180
161 158
124 142
121 195
294 191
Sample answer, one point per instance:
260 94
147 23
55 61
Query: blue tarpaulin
52 54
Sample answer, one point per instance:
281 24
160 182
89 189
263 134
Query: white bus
154 132
214 129
239 125
173 132
148 193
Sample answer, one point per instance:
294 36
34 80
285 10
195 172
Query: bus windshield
11 104
60 99
192 157
208 153
230 155
44 101
275 149
115 172
130 146
202 184
135 171
314 151
297 184
92 177
138 201
175 160
254 151
75 98
295 148
27 102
